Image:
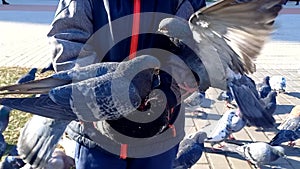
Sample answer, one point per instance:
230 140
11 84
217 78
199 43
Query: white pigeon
230 122
278 83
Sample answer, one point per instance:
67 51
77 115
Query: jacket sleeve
71 28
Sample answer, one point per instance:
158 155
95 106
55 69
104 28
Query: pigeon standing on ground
258 153
28 76
285 136
230 122
264 88
190 150
278 83
269 103
289 128
253 109
228 98
195 99
4 110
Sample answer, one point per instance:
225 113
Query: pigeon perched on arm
220 43
289 129
226 36
108 96
190 150
258 153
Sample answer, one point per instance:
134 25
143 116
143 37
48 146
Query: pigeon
258 153
269 103
194 100
278 83
67 96
285 136
230 122
28 76
258 112
292 121
288 129
3 145
4 117
226 95
226 36
220 43
4 110
47 68
228 98
190 150
264 88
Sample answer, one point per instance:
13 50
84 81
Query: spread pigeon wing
43 86
235 32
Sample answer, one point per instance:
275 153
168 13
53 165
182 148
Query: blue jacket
89 31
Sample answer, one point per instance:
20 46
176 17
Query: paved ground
23 43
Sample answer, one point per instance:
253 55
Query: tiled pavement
23 43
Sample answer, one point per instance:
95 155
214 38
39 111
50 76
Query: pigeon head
278 152
267 80
201 136
175 28
33 71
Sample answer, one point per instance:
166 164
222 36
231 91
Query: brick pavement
23 43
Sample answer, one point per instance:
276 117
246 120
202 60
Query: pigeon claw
291 144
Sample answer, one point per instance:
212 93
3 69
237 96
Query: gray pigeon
57 92
190 150
258 112
289 129
264 88
227 36
285 136
230 122
292 121
220 43
80 94
258 153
